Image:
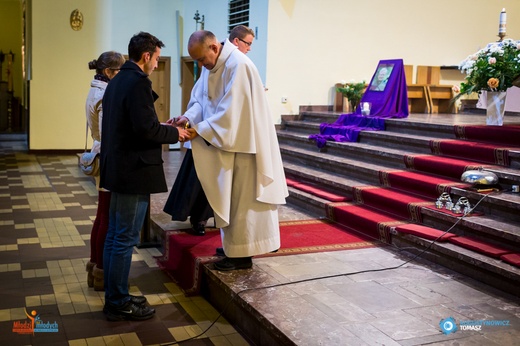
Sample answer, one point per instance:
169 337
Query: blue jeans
126 218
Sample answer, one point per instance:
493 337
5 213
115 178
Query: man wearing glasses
242 37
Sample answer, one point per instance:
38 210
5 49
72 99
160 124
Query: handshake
186 133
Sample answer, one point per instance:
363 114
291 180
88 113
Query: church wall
60 56
312 47
60 75
304 47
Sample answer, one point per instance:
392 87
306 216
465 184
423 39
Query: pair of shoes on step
135 309
229 263
197 229
220 251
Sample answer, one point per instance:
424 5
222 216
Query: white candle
502 22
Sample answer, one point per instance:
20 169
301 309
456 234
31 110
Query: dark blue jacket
132 137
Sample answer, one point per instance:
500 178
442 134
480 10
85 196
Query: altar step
343 167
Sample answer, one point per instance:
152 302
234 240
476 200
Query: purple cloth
389 98
392 102
347 128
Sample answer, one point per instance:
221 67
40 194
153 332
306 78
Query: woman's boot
90 276
99 281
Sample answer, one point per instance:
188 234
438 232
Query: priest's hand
192 133
179 121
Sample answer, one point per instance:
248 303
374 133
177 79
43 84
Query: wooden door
160 78
189 76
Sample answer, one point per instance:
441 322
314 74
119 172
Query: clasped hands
185 132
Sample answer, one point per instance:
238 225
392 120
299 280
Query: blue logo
448 325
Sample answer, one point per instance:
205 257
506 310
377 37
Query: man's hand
183 134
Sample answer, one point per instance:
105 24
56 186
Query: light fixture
76 20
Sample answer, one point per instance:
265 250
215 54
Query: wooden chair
439 95
338 99
418 96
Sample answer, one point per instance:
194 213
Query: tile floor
47 208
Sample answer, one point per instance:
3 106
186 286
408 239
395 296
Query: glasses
248 43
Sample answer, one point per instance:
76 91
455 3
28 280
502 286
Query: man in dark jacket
131 168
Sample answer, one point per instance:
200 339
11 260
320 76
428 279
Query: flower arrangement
353 92
493 68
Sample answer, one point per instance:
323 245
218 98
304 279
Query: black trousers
187 198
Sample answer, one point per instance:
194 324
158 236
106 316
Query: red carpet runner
506 135
483 152
184 254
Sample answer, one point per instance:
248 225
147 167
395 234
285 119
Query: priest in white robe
235 150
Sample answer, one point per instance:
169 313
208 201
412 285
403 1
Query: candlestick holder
501 36
198 20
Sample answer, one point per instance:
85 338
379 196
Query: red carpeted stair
425 184
364 219
425 232
482 152
508 135
402 204
184 254
397 203
444 166
316 190
511 258
480 246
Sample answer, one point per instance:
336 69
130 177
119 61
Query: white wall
313 45
216 20
304 47
60 56
60 74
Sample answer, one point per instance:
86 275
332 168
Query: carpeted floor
184 253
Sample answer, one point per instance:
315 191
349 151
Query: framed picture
381 77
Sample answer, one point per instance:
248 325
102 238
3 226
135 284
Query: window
238 13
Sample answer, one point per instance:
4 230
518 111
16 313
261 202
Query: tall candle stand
502 25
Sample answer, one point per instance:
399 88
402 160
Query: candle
502 22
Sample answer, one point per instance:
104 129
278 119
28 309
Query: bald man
235 150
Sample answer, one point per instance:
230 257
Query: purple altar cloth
338 132
389 98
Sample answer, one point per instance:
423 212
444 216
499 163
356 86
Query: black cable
335 275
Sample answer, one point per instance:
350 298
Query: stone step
423 125
340 167
493 272
361 155
488 229
502 228
360 151
388 146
